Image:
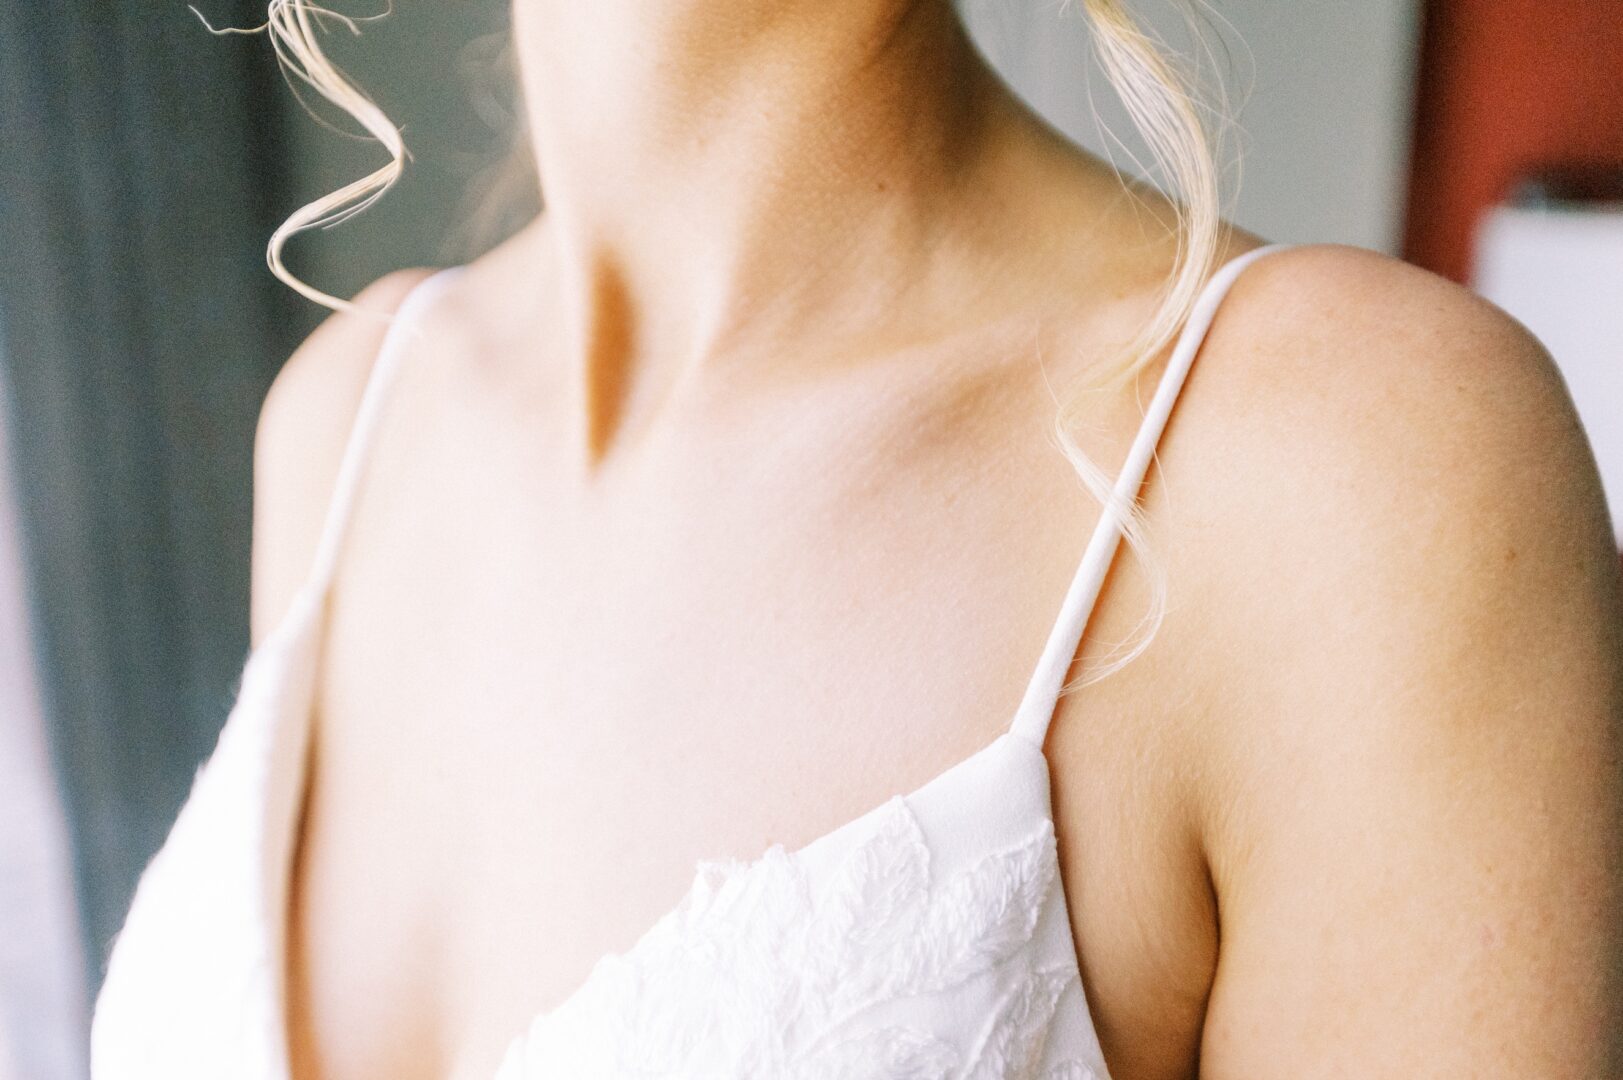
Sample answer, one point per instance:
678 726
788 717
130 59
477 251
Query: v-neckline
303 620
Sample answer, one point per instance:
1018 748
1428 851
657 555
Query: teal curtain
141 170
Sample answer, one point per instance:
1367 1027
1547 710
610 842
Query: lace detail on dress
764 970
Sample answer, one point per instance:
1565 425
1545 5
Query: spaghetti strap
1036 710
345 489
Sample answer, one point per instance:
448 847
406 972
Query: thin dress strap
1042 694
351 466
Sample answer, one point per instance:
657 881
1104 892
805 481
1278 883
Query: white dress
926 939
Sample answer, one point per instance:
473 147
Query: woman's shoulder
1369 461
1323 302
304 422
1359 405
1393 544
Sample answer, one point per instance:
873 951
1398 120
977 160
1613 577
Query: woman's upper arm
1414 822
299 440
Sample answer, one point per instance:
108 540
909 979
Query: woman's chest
520 755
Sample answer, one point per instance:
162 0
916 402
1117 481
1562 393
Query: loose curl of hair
1159 97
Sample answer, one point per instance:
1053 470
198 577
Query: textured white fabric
927 939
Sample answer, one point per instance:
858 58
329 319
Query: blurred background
144 163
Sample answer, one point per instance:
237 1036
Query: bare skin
724 507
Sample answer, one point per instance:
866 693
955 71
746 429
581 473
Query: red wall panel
1506 86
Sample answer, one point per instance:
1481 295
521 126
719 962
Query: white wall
42 1011
1558 272
1322 91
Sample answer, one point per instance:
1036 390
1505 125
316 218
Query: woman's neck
719 173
